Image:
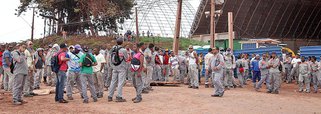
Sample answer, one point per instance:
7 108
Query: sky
15 29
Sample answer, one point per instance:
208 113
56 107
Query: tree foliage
77 15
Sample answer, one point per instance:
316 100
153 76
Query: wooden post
230 30
137 32
212 33
33 23
177 27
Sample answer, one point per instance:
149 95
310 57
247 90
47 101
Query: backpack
135 62
13 64
55 66
88 62
115 58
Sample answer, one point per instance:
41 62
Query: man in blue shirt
73 71
6 62
256 70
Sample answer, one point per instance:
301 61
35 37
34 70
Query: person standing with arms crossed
20 71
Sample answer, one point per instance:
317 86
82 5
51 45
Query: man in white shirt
294 71
192 68
98 72
207 58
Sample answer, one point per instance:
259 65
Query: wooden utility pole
177 27
137 32
212 33
230 30
33 23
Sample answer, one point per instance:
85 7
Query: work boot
190 86
207 86
110 99
95 99
215 95
120 99
221 95
34 94
137 100
70 98
133 99
145 91
22 101
17 103
86 101
28 95
300 90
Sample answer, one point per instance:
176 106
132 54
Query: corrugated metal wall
259 51
311 51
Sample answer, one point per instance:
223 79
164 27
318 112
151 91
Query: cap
78 47
63 45
257 55
166 50
190 46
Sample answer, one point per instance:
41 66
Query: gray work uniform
240 75
20 72
304 75
192 70
245 63
217 75
288 68
138 83
118 75
51 76
263 65
150 68
229 70
107 70
316 76
182 67
275 75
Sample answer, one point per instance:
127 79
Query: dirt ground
177 100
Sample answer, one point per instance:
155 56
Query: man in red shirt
61 76
166 66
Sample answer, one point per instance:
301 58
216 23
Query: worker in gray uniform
20 72
288 68
192 68
217 65
118 59
263 65
304 75
275 74
229 60
315 71
150 64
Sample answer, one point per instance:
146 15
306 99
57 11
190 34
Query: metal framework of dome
158 17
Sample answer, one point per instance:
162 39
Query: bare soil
177 100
